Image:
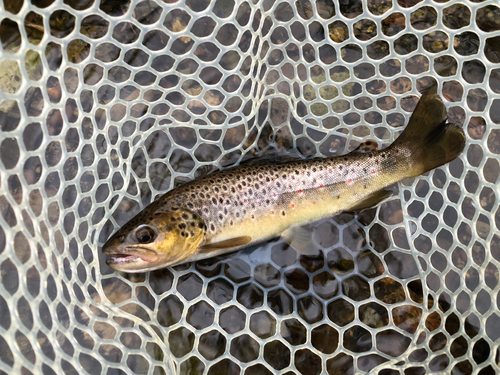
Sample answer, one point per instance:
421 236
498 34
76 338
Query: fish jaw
132 258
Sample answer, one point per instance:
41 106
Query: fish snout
115 245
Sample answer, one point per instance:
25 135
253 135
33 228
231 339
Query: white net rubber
107 104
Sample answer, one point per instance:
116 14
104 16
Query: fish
230 209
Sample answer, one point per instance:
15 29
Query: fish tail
431 140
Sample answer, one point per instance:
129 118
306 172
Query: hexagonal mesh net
107 104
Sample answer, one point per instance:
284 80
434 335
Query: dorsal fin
366 146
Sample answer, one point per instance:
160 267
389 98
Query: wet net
107 104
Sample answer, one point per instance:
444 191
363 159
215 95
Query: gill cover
183 233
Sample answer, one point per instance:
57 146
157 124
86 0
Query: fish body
231 209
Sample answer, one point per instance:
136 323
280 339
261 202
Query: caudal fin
430 139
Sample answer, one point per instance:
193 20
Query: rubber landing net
105 105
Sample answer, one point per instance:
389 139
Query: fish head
155 240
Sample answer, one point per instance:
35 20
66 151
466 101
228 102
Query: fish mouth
131 255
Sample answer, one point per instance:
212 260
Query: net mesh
107 104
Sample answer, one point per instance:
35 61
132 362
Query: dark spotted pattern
185 222
223 198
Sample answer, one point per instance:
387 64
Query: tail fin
431 141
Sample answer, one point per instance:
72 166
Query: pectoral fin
372 200
300 238
226 244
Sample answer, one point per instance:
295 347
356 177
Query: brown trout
234 208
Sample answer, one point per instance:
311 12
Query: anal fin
372 200
226 244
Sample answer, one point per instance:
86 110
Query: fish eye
145 234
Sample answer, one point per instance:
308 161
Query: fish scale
230 209
234 198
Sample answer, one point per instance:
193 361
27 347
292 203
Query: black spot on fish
221 217
214 201
185 216
283 213
212 228
173 219
314 169
340 167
